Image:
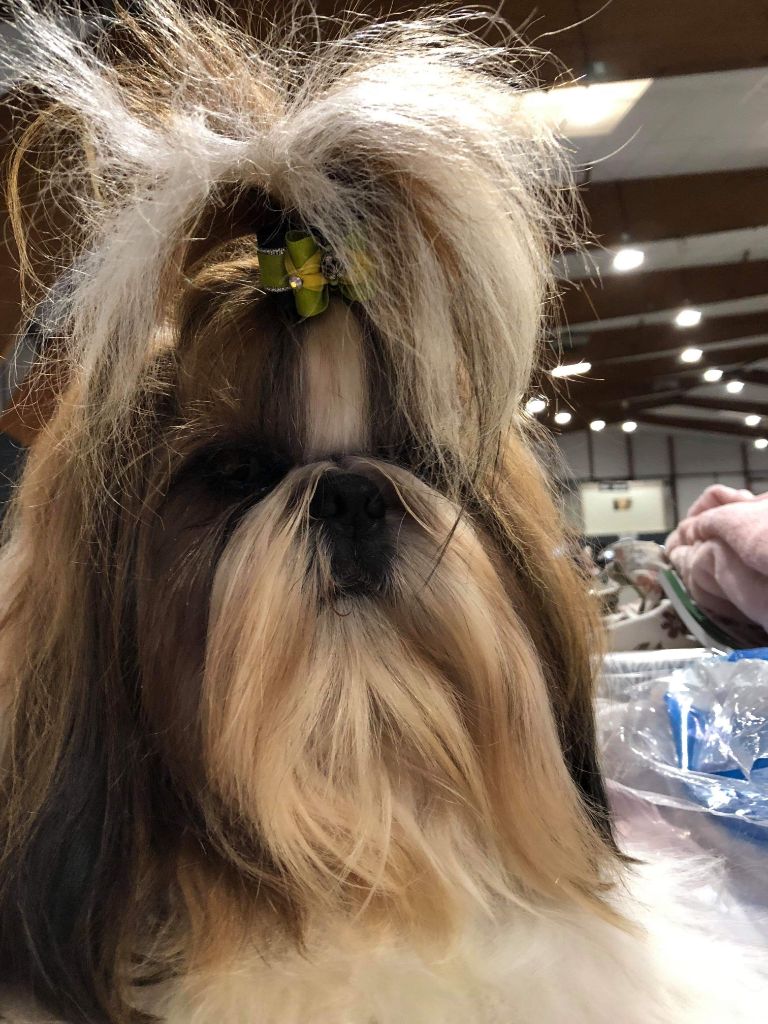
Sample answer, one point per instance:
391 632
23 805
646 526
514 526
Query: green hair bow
309 271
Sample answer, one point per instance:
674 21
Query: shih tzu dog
297 670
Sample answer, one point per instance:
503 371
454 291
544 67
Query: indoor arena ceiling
668 135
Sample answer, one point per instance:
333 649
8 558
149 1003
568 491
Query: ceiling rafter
648 39
630 380
665 337
620 295
618 411
703 426
650 209
754 407
757 376
601 394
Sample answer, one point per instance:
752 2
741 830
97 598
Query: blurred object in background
720 551
651 608
639 617
686 756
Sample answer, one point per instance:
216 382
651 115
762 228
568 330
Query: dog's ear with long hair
75 775
80 790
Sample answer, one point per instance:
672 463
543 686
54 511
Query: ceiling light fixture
688 317
535 405
571 369
761 442
691 355
629 426
628 259
733 387
597 425
713 375
578 110
753 420
562 418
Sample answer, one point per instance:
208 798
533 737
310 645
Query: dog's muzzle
350 511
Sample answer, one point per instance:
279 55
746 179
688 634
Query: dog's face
328 673
335 650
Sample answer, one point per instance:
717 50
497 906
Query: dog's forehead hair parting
335 385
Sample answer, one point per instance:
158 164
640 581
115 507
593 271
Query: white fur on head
409 131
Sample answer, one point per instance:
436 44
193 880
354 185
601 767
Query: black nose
351 512
349 504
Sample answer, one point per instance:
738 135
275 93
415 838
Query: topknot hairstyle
414 131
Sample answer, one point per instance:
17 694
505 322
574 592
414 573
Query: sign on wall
625 506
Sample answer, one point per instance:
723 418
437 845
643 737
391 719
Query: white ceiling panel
683 125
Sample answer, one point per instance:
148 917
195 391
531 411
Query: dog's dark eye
242 472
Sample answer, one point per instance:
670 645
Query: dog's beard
338 723
382 737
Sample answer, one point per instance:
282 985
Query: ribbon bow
307 270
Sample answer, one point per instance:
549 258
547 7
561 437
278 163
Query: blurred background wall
660 382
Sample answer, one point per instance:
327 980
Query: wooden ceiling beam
755 377
649 209
647 38
639 294
726 404
631 39
629 342
607 41
618 380
618 411
723 354
601 393
581 421
706 426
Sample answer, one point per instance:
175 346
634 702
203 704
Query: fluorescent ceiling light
629 426
534 405
628 259
733 387
571 369
688 317
581 110
562 418
691 355
753 420
761 442
713 375
597 425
